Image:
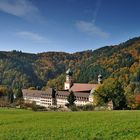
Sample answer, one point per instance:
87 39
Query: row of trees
112 90
8 95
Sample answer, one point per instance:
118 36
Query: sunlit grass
102 125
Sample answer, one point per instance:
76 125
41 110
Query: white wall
60 102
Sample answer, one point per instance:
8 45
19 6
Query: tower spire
99 79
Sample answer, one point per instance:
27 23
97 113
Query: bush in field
31 106
4 102
73 108
87 107
38 108
53 108
35 107
20 102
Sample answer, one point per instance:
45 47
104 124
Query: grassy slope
26 125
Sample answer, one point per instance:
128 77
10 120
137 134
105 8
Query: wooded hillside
24 70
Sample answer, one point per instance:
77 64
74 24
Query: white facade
60 101
63 102
45 102
28 99
79 103
39 101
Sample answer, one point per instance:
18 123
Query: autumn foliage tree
111 90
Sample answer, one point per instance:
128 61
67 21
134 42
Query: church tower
68 82
99 79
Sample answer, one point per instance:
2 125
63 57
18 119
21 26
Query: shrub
37 107
73 108
53 108
87 107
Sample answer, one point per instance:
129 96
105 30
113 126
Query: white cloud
91 29
19 8
32 36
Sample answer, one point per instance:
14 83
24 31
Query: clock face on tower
67 86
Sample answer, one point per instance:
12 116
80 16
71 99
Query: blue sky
66 25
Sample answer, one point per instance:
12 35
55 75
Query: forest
39 71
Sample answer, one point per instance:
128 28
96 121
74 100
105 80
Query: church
50 97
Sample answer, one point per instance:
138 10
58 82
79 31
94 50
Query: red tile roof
78 87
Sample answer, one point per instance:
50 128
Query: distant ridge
18 69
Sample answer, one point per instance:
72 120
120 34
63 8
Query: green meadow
101 125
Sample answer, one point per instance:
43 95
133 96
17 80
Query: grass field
102 125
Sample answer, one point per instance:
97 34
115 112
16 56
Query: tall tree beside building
10 95
71 98
19 93
111 90
6 95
